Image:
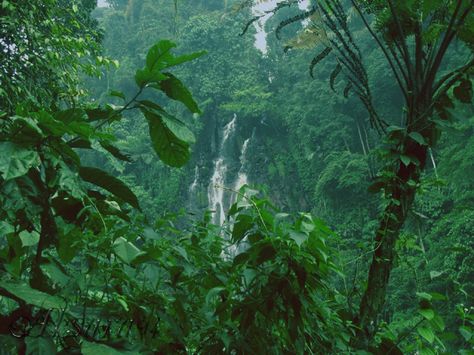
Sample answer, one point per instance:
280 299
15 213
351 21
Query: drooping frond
334 75
248 3
247 25
347 89
317 59
300 17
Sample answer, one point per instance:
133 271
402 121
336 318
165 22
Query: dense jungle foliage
236 177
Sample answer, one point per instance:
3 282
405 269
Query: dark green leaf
266 252
110 183
116 152
170 138
242 225
145 76
463 92
40 345
117 94
160 57
175 89
318 58
334 75
90 348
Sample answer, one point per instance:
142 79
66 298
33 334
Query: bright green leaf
15 160
427 313
32 296
424 295
435 274
417 137
28 239
426 333
405 160
298 237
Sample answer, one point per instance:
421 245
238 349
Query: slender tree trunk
387 234
402 197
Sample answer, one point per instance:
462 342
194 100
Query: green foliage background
161 278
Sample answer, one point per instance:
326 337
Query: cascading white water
216 192
194 185
242 178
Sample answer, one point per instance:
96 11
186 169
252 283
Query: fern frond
347 89
334 75
300 17
317 59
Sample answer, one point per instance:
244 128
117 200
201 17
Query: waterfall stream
194 185
242 178
216 187
229 169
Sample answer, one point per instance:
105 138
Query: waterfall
229 169
194 184
242 178
216 192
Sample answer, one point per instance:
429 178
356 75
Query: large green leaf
40 345
125 250
89 348
159 53
298 237
428 313
110 183
176 90
426 333
160 57
241 227
32 296
170 138
145 76
116 152
15 160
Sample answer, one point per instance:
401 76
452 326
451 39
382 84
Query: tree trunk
391 223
